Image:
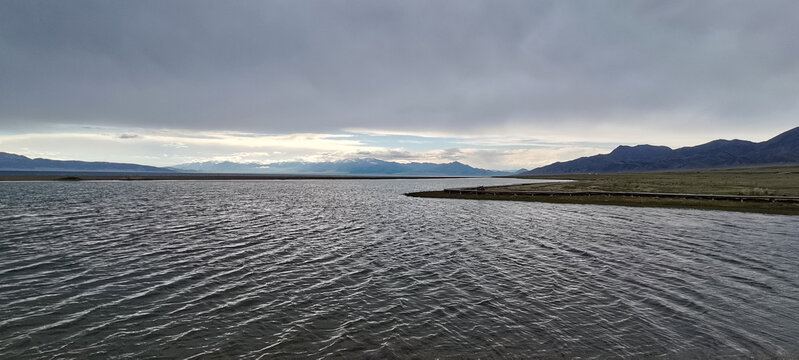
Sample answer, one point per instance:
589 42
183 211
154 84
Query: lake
354 269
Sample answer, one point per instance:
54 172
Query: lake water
354 269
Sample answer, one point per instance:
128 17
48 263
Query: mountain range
19 163
342 167
780 150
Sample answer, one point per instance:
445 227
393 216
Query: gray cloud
386 154
317 66
449 154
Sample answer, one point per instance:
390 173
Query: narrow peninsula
770 190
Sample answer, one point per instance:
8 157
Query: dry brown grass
771 181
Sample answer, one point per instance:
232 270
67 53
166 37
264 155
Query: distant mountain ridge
19 163
13 162
780 150
343 167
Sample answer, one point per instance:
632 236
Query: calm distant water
353 269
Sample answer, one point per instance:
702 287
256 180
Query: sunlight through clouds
172 147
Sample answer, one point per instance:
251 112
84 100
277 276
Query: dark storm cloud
296 66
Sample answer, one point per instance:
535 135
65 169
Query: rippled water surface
320 268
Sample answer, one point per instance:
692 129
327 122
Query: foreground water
266 269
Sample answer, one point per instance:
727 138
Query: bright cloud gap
172 147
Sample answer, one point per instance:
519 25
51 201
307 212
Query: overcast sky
494 84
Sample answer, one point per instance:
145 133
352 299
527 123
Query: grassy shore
777 181
763 181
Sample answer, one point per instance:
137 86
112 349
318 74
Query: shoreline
767 190
761 207
210 176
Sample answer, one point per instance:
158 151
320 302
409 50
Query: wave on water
351 268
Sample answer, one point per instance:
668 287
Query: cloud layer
673 72
323 66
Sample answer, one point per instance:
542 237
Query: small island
770 190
